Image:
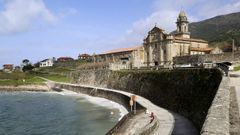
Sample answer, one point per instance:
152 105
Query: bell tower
182 25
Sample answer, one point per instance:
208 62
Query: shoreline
129 123
103 102
36 88
99 101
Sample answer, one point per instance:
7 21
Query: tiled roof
123 50
8 65
189 39
65 58
201 49
84 55
44 60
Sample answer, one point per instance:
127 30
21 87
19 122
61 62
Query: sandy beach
41 88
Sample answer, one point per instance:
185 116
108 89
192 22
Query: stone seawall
188 92
100 92
116 97
217 121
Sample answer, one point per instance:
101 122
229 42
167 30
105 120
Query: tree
28 67
25 62
37 65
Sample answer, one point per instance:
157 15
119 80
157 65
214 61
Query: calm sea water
30 113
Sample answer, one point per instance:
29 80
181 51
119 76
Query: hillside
218 30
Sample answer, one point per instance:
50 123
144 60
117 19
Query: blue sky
39 29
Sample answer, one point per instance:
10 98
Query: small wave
98 101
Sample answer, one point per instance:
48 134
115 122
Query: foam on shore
98 101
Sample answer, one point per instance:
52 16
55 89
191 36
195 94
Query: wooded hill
219 30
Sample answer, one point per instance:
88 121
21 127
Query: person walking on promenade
152 117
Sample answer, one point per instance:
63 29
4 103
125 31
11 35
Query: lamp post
233 46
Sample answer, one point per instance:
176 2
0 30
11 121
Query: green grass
34 80
56 73
237 68
54 70
19 78
56 78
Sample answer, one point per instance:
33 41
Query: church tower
182 25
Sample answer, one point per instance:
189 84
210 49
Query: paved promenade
169 122
235 82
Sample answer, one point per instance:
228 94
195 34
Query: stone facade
216 50
160 47
214 58
138 58
123 58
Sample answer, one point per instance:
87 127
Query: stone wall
217 121
113 96
188 92
209 57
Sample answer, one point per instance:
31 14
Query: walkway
235 82
169 122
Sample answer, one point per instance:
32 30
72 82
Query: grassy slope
19 78
58 73
56 78
237 68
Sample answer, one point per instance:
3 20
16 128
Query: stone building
122 58
65 59
47 62
160 47
84 57
216 50
8 67
116 55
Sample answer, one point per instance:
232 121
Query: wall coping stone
217 120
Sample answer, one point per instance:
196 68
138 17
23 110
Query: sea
56 113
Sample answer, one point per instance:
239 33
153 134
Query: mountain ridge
219 30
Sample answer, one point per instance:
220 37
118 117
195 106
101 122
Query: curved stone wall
113 96
188 92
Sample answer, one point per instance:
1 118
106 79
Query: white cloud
20 15
66 12
165 14
215 7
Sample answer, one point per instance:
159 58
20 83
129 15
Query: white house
47 63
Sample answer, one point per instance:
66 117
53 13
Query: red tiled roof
8 65
84 55
64 58
190 39
122 50
201 49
